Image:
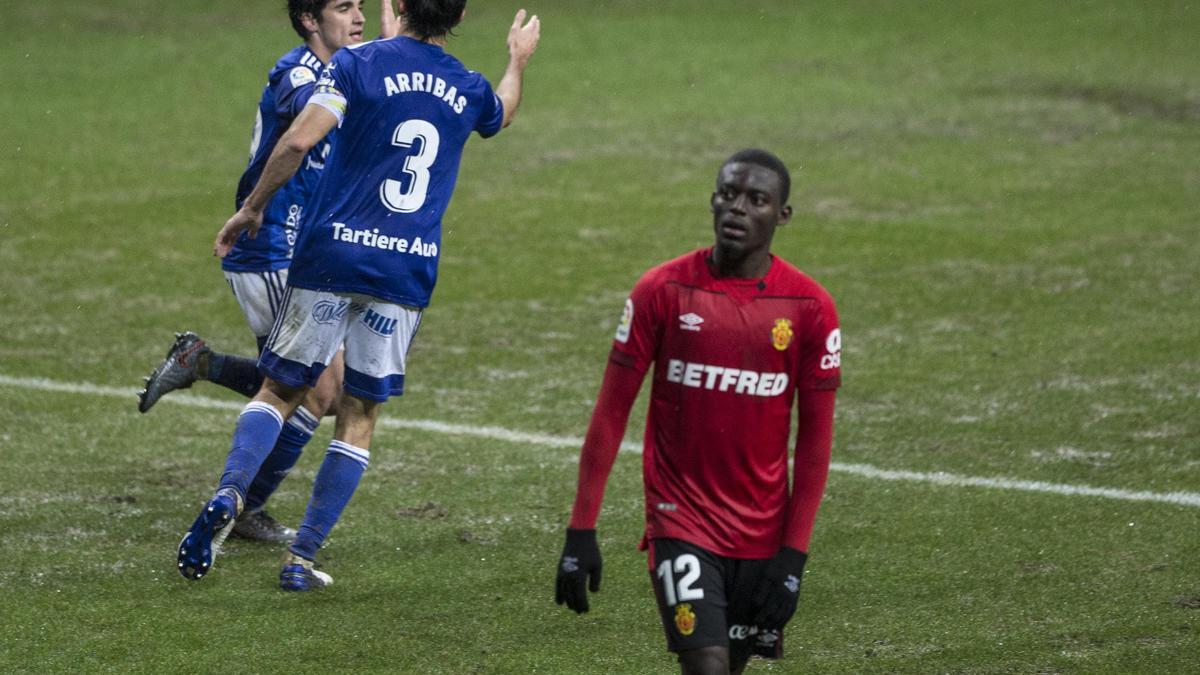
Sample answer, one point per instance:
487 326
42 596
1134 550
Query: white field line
511 436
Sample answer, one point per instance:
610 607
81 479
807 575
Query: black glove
779 589
580 561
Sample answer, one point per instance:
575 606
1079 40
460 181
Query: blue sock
236 373
257 429
336 481
292 439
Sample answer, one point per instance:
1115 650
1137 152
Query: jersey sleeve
814 441
333 90
491 116
820 364
640 330
603 441
293 91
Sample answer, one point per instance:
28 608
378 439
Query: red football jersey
729 356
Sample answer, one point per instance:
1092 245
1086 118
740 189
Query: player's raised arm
389 22
522 42
313 124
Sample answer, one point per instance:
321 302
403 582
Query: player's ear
785 214
712 203
310 23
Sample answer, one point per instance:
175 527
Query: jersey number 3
424 136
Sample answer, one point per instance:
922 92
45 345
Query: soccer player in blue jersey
366 259
257 268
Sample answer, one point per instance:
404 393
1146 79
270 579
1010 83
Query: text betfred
372 239
718 378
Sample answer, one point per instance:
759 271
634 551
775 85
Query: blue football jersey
374 225
289 87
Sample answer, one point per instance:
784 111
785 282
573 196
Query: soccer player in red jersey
735 335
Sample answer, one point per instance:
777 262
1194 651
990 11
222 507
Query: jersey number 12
681 590
416 167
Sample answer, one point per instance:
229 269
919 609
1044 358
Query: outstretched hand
779 590
523 39
242 221
579 565
390 22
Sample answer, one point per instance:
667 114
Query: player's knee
281 395
705 661
322 400
326 396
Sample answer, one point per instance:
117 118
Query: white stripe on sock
259 406
305 420
360 455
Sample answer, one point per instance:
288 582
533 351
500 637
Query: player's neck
319 49
751 266
439 40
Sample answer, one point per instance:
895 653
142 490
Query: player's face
341 23
746 210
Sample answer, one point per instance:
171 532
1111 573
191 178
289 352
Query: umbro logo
690 321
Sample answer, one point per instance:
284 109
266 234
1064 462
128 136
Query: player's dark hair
425 19
767 161
298 8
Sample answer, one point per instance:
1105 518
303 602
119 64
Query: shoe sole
199 546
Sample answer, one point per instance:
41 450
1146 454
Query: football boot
299 574
177 371
199 547
260 526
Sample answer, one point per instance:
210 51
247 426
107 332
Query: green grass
1002 197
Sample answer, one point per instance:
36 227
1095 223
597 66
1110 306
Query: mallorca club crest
781 334
685 619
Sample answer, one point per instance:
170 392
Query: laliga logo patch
781 334
626 324
685 619
833 345
301 75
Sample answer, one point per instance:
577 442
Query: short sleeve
333 91
640 330
820 364
491 115
293 91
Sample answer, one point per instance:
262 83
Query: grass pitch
1002 197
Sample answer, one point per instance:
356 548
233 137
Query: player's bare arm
313 124
522 42
389 21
